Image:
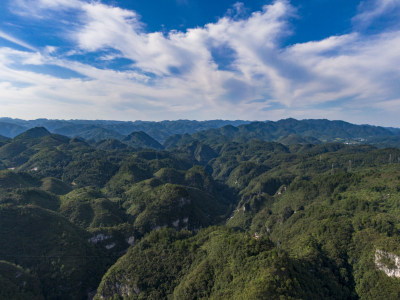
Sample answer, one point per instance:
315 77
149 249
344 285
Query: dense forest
219 210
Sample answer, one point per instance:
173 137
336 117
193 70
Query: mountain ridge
179 132
222 215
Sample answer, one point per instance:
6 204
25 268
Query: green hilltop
140 140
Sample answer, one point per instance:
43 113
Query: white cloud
36 8
362 68
369 10
16 41
176 74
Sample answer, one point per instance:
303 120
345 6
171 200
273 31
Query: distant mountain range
100 130
170 134
291 131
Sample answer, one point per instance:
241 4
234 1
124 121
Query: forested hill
212 218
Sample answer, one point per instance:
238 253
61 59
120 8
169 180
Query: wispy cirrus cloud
369 10
16 41
233 68
38 8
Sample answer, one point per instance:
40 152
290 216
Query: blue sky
201 59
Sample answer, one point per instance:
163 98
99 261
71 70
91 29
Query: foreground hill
55 251
17 283
217 263
300 230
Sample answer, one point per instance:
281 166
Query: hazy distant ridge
181 132
103 129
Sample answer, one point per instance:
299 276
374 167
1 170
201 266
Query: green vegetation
55 186
322 226
88 132
111 144
227 213
217 263
54 250
88 208
99 129
140 140
18 284
291 131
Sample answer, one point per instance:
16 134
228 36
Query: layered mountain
99 129
88 132
288 131
10 129
180 132
223 214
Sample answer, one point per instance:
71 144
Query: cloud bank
235 68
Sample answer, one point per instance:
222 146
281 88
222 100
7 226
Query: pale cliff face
394 269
